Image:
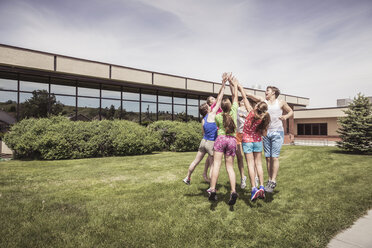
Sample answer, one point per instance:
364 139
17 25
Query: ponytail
265 121
228 122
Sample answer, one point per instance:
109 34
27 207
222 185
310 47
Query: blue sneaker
254 194
261 191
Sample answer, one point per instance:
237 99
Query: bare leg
258 163
274 168
250 162
229 162
198 158
268 165
239 157
216 169
211 162
206 166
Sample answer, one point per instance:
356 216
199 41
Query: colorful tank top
249 131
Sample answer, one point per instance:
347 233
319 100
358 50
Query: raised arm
255 98
234 92
288 109
247 104
220 94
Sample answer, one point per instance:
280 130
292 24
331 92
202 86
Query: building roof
16 57
6 118
319 113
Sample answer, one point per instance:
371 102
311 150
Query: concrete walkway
359 235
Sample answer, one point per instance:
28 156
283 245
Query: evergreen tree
40 105
356 128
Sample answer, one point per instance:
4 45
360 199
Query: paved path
359 235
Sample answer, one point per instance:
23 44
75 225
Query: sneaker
268 184
212 195
233 198
261 191
243 182
187 181
256 182
254 194
271 187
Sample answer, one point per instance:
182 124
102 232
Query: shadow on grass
269 197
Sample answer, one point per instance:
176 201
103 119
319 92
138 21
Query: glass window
180 112
165 99
68 105
88 108
82 91
130 96
193 113
150 98
130 111
165 112
178 100
323 129
8 84
193 102
148 112
111 91
300 129
33 105
8 104
31 86
110 109
315 129
307 129
63 89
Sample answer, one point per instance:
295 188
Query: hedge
60 138
178 136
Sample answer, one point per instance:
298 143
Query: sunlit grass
141 201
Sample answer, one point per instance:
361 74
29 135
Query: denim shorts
250 147
273 143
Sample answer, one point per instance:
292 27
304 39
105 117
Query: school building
87 90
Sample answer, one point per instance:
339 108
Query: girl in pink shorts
225 143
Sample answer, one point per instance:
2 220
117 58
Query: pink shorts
225 144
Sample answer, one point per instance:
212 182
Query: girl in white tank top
275 112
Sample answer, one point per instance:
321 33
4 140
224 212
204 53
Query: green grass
141 201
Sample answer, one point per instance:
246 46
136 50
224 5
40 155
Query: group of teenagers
231 129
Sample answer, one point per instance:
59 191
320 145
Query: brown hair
203 109
228 122
260 113
275 89
209 100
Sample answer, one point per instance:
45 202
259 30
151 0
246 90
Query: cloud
317 49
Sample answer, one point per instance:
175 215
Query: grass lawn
141 201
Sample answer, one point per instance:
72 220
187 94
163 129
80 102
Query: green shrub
60 138
178 136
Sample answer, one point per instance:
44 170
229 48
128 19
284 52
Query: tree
39 104
356 128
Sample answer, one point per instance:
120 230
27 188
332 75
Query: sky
319 49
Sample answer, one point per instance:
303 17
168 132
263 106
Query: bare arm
220 94
255 98
233 81
202 123
247 104
288 109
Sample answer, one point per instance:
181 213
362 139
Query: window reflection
165 112
8 104
110 109
193 113
88 107
31 86
130 96
148 112
130 111
63 89
8 84
180 112
68 105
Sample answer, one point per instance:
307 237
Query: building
317 126
99 90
